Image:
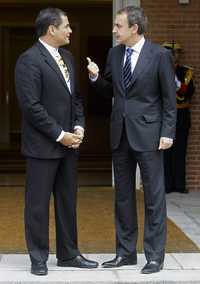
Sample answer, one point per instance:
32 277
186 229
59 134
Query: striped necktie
127 74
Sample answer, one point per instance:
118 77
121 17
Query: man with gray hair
140 76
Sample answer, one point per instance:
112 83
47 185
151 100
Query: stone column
118 4
4 107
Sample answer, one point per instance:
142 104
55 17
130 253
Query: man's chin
118 41
66 42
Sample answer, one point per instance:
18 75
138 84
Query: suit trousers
43 177
125 160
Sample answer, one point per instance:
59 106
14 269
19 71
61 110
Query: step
11 161
178 268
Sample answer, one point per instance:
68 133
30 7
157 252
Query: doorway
91 25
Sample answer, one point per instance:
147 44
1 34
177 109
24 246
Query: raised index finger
89 60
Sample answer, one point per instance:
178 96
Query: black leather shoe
152 267
78 261
120 261
39 268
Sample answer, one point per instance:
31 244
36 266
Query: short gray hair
135 15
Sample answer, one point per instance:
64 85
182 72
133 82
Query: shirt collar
138 46
51 49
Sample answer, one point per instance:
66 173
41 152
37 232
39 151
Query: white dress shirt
55 54
136 52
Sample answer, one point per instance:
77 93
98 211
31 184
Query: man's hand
80 133
92 68
165 143
69 139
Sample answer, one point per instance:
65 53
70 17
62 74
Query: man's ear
134 28
51 30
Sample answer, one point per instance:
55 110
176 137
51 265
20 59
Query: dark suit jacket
47 105
148 108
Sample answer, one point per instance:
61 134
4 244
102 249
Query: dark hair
135 15
47 17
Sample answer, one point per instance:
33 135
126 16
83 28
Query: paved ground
183 209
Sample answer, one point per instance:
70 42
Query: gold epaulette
188 76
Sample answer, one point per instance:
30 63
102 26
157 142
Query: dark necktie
127 74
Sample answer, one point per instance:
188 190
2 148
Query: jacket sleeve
28 81
103 85
168 94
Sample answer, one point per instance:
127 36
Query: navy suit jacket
47 105
148 107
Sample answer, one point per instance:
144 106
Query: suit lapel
51 62
70 69
143 60
120 63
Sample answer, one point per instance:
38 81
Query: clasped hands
73 140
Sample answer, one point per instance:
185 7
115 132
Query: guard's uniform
175 157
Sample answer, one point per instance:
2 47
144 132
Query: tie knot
129 51
57 54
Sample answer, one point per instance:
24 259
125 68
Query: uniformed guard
175 157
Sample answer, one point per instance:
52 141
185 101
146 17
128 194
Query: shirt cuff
93 78
79 127
60 137
167 139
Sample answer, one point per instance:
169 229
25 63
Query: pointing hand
92 68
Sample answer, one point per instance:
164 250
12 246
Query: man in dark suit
52 130
139 74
